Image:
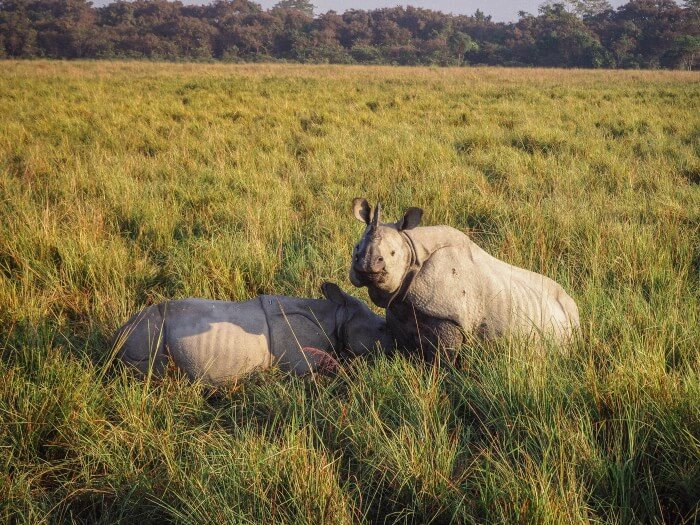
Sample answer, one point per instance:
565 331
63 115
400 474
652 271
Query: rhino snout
369 266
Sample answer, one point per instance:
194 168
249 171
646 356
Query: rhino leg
424 335
140 342
310 360
439 335
404 331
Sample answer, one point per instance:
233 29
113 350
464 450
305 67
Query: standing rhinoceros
219 341
437 285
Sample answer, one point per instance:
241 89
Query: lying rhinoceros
437 285
219 341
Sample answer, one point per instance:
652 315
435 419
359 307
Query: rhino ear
411 219
361 209
333 293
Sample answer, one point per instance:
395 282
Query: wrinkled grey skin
438 286
219 341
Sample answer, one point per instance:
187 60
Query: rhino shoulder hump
445 286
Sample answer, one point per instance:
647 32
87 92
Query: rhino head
359 329
381 259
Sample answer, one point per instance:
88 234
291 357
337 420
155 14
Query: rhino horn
375 217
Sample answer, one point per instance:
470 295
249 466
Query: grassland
123 184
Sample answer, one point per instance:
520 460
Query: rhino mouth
370 277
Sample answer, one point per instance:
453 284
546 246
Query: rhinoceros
220 341
438 286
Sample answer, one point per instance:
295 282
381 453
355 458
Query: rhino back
217 341
426 240
519 300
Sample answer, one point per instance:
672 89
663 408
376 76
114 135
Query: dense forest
576 33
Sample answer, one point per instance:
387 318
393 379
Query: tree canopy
575 33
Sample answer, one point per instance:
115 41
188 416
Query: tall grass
123 184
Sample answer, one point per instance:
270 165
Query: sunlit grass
122 184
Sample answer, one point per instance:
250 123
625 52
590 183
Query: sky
501 10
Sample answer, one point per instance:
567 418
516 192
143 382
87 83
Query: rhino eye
393 253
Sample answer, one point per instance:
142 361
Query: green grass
122 184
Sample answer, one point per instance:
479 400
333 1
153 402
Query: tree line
575 33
